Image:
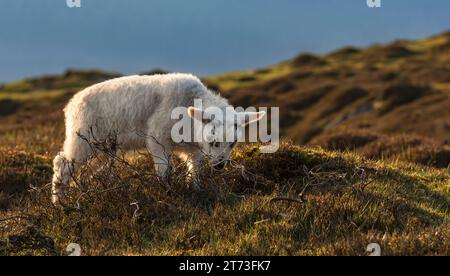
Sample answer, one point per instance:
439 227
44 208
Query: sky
204 37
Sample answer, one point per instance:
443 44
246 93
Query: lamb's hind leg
65 165
61 175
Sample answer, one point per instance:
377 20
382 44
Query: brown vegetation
298 201
379 179
412 148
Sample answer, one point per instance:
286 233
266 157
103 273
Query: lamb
135 105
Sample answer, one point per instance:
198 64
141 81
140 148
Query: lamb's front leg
195 167
161 154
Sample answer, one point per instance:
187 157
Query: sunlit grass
229 81
41 95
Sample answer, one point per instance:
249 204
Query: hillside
367 160
395 89
298 201
403 87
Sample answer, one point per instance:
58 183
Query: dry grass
299 201
412 148
402 87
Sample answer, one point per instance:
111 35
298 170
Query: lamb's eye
214 144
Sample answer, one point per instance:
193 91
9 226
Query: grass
444 87
35 96
414 73
298 201
17 86
412 148
380 181
241 79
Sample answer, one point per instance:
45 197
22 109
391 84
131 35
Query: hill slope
298 201
388 103
403 87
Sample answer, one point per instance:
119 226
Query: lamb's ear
246 118
197 114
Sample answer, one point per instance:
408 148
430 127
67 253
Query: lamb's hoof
56 199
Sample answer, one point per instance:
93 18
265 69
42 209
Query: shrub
373 145
298 200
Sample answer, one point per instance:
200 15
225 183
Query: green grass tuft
298 201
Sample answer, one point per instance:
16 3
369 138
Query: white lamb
136 105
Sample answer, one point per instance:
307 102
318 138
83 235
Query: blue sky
199 36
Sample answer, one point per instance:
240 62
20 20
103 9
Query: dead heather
397 88
298 201
377 180
406 147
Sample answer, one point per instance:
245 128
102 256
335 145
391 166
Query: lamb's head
218 130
